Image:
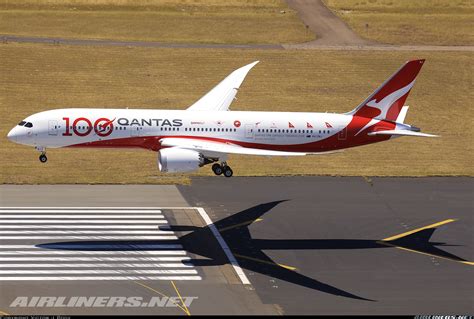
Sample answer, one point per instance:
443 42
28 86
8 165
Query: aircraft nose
13 135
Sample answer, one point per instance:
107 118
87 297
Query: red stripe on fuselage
328 144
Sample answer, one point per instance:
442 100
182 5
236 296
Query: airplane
250 253
207 132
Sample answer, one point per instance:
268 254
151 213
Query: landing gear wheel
228 171
43 158
217 169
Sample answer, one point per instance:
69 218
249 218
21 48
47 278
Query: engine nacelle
175 160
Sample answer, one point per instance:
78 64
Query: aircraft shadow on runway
249 251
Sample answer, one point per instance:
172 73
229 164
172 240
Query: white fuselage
88 127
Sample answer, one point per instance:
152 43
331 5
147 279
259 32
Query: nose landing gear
223 168
42 157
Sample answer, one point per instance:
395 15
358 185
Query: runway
327 229
281 245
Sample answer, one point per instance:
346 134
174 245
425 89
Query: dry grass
38 77
436 22
209 21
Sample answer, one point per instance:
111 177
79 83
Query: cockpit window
22 123
28 124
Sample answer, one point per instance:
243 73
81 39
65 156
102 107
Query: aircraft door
249 131
53 127
135 131
342 135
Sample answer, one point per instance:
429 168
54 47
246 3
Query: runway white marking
90 259
81 227
86 232
83 216
91 237
95 252
109 246
91 254
83 221
114 265
89 207
69 211
94 278
99 271
223 244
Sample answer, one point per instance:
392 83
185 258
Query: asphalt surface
312 45
151 44
327 227
308 245
62 254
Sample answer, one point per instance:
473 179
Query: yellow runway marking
386 241
265 262
241 224
419 229
180 298
163 295
427 254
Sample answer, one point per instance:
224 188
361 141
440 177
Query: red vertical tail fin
387 101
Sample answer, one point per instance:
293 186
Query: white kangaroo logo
385 104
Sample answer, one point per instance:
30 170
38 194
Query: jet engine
175 160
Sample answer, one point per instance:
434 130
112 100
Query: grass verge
41 77
210 21
429 22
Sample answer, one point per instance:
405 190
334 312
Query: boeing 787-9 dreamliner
206 132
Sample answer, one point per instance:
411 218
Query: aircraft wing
212 148
222 95
402 133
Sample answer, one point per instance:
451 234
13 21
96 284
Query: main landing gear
222 169
42 157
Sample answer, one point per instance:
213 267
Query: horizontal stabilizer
401 133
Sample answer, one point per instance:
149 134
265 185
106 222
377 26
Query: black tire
217 169
43 158
228 171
